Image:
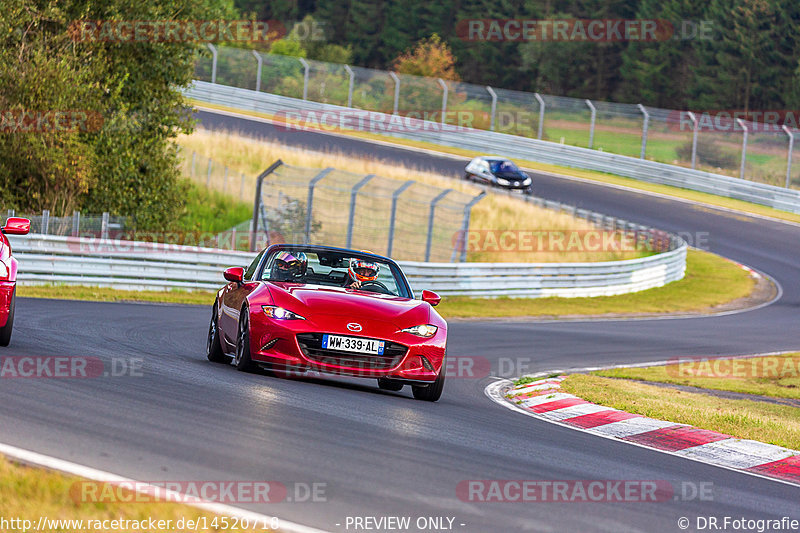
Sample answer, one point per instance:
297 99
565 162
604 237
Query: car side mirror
431 297
235 274
17 226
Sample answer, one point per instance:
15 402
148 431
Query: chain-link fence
406 220
72 226
705 141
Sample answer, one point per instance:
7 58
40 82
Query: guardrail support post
645 123
76 223
310 202
541 114
396 92
350 86
104 226
305 77
213 62
789 157
462 245
45 221
494 107
443 85
257 201
351 217
591 125
431 214
395 196
744 146
695 128
258 69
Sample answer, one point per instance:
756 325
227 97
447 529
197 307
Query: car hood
511 175
309 301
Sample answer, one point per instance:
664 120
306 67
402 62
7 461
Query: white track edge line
68 467
492 391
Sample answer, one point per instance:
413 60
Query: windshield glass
332 269
503 166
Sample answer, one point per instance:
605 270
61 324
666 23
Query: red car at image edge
300 307
8 275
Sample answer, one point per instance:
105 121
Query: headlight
527 181
425 330
279 313
502 181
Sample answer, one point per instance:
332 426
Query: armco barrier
139 265
518 147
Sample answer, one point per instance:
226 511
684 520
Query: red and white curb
545 399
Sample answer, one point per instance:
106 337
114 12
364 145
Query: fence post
644 129
213 62
350 86
351 217
208 174
465 226
591 126
431 214
257 201
396 92
258 69
310 202
104 226
395 196
541 113
76 223
305 77
494 107
443 85
789 158
695 127
45 221
744 146
241 189
194 161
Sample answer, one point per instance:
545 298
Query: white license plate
352 344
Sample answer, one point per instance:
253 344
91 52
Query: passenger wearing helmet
361 272
289 266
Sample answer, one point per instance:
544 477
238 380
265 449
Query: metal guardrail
138 265
512 146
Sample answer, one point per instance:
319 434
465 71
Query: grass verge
710 281
744 419
28 493
775 375
677 192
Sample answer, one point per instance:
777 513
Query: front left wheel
5 331
432 392
242 360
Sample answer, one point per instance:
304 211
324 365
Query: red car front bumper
294 345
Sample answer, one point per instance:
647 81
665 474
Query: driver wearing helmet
361 272
289 266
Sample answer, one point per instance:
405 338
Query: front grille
311 345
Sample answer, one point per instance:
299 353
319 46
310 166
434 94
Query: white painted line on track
53 463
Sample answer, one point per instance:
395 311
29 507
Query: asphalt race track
381 453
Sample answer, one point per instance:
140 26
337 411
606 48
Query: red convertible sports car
298 308
8 276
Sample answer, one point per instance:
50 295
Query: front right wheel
213 346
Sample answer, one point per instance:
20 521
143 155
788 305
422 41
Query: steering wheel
384 288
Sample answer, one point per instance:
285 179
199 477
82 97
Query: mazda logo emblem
354 326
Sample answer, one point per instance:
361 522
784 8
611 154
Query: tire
529 191
5 331
213 346
468 176
432 392
390 385
242 359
